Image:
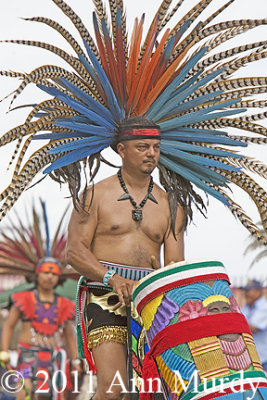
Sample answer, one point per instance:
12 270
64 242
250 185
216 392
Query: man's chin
149 170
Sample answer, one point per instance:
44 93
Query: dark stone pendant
137 215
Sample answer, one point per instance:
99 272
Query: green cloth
68 289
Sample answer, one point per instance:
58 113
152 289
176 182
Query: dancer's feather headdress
168 76
25 245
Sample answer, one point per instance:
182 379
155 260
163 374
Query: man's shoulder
101 187
160 191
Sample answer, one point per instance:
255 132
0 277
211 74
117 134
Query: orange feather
121 62
145 58
164 80
144 82
101 49
114 79
134 51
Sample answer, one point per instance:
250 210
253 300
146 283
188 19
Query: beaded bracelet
108 275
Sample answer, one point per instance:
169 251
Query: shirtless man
107 231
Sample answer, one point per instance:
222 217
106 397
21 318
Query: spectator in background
255 311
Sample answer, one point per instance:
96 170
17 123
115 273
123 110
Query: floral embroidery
192 309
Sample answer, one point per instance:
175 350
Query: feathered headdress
168 76
24 245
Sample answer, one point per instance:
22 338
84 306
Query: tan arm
174 249
81 231
71 343
8 327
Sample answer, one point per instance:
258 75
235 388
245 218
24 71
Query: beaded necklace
137 213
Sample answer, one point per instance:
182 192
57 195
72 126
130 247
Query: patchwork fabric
196 333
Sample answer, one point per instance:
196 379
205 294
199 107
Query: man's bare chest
118 218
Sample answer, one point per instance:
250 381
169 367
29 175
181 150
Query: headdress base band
140 133
49 267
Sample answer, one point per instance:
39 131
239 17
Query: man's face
251 295
47 280
140 154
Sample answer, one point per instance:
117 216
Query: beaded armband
108 275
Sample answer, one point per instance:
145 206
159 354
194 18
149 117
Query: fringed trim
116 334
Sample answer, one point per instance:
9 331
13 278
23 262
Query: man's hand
123 287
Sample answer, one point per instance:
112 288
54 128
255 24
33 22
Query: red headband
140 133
49 267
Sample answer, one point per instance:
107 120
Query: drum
200 343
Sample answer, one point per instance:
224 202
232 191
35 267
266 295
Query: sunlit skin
107 232
47 281
139 156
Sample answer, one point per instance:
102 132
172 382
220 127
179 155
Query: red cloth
28 303
186 331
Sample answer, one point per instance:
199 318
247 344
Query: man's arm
8 327
81 231
71 343
174 248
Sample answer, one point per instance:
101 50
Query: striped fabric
208 357
211 389
128 272
248 339
176 275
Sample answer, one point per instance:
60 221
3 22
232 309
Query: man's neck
45 295
139 180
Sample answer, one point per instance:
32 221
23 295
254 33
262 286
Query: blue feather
158 103
48 250
117 112
196 158
88 67
86 128
87 142
187 174
198 116
183 29
182 95
186 84
82 119
201 130
168 49
76 155
89 100
172 108
208 138
61 135
198 149
201 171
76 105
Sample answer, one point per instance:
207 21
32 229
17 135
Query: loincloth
105 324
39 364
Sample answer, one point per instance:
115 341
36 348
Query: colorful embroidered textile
196 332
46 318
